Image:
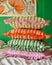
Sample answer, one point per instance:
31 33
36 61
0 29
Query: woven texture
27 22
31 34
20 61
26 45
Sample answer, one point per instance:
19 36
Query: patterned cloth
21 61
17 7
25 54
23 33
27 22
26 45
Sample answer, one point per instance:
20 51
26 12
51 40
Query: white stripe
22 61
17 61
42 62
11 60
5 62
50 62
47 62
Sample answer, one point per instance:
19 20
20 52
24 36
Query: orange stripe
1 9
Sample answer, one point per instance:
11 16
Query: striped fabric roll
27 22
21 61
25 54
27 45
31 34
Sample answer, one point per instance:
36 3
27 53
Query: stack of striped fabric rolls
27 37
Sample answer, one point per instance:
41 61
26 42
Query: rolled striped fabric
27 45
24 54
21 61
27 22
31 34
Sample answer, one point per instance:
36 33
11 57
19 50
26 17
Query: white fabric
21 61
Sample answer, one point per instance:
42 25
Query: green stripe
17 45
23 44
31 45
28 45
20 46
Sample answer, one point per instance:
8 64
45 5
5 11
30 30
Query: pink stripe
23 22
17 22
32 21
24 54
8 21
